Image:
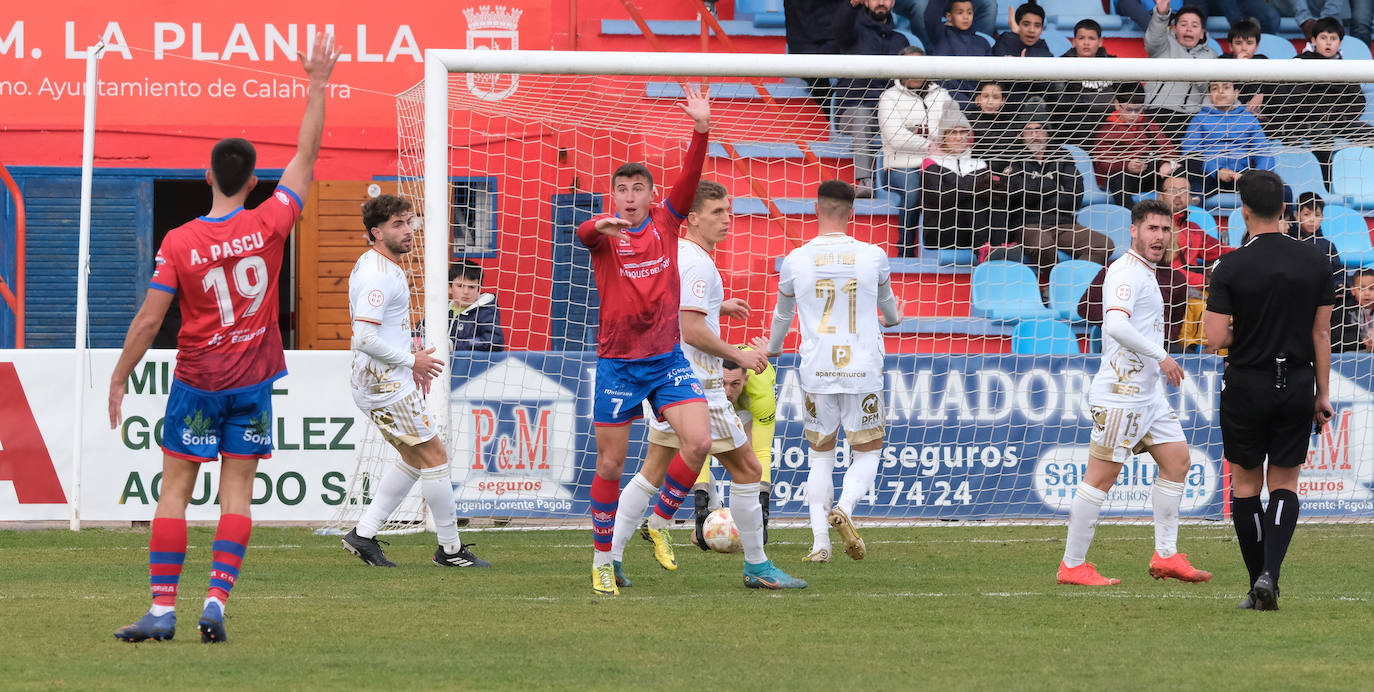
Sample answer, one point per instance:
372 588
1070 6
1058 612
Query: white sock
820 492
656 522
159 610
714 493
212 599
436 484
1166 497
748 514
386 497
859 478
634 499
1083 513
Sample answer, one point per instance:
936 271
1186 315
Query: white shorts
727 433
861 416
1121 432
404 421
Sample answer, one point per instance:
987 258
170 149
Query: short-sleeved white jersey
1126 378
835 279
702 291
378 292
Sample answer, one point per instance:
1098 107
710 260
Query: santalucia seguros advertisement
315 430
968 437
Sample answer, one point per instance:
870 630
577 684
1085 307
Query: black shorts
1259 421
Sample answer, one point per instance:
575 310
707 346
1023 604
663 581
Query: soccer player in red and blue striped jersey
222 269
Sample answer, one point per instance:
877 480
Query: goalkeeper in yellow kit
755 398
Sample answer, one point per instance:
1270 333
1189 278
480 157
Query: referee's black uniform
1272 288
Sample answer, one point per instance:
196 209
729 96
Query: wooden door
330 240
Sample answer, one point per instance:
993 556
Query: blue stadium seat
1044 337
1213 42
1205 221
1301 172
1222 202
1068 12
1057 43
1068 281
1235 228
1352 177
1354 49
1092 193
1006 292
1111 219
1276 47
1350 234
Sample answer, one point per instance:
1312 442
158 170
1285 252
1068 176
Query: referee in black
1270 304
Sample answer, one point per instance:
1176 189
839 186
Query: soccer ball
721 535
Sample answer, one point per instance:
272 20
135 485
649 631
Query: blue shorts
203 426
622 385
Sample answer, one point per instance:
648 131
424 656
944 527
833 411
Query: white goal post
963 404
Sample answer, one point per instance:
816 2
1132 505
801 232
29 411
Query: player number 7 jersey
835 281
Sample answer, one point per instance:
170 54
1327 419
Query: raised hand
760 344
697 106
735 309
319 64
1163 7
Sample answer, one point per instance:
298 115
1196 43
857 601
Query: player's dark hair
728 364
1245 28
468 270
1189 9
708 191
1026 8
632 170
232 160
378 209
1311 200
1328 25
1090 25
1261 192
1149 207
1130 93
834 198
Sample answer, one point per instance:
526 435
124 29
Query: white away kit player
389 381
1130 413
837 286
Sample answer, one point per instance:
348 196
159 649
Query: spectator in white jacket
908 114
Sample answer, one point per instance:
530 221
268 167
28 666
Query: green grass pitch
944 608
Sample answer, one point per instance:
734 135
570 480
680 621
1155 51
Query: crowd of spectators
979 166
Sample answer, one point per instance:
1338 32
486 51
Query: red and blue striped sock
605 501
675 487
231 542
166 554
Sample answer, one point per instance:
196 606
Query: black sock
1248 516
763 502
1280 519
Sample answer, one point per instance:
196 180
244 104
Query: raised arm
698 108
318 66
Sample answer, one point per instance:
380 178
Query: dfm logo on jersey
1059 470
493 29
514 432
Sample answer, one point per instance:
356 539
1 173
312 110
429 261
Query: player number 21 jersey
835 280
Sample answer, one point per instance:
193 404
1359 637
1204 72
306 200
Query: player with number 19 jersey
224 273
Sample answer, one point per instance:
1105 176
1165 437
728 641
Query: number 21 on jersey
250 282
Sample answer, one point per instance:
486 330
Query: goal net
999 187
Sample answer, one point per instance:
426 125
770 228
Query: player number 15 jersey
835 280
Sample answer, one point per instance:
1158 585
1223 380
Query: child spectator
995 125
1321 112
1311 213
949 23
1044 191
1360 314
1080 107
1223 139
1130 153
908 114
1244 39
474 322
865 28
957 191
1173 103
1027 23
